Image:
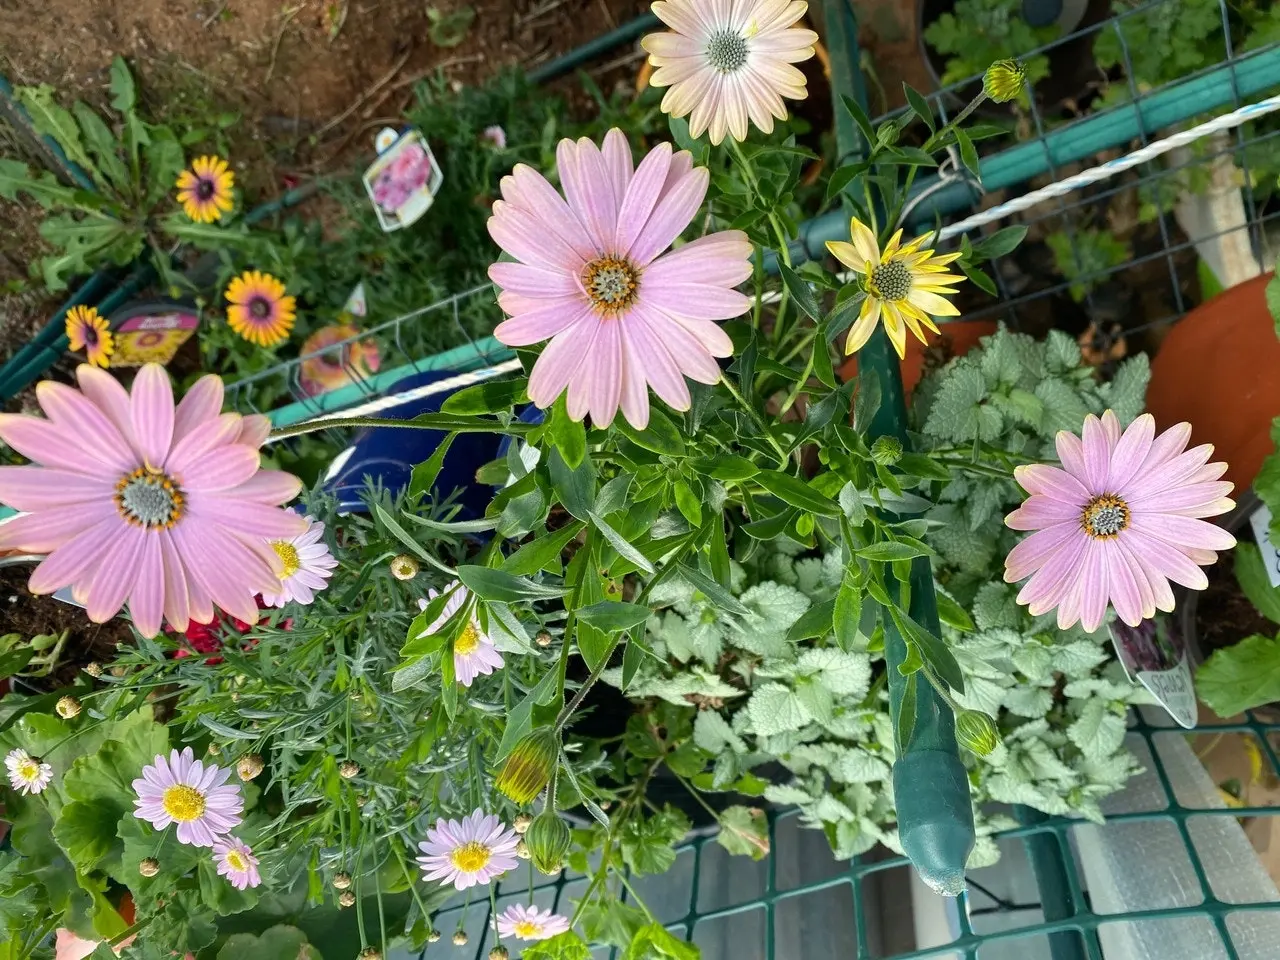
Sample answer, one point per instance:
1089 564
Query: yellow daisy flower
205 190
87 330
259 311
905 285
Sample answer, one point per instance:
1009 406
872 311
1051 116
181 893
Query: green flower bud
548 839
1004 80
886 451
529 767
977 732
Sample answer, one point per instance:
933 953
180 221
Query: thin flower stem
492 925
622 875
413 887
515 428
759 421
382 919
364 940
697 796
794 395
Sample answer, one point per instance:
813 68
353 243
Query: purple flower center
610 282
259 308
1105 516
727 51
204 189
891 281
149 498
90 335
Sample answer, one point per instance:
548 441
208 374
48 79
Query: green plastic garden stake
930 786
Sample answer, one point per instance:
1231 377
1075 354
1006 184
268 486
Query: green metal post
930 786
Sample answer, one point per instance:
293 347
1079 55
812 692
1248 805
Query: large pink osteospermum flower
470 852
196 797
1117 522
593 278
134 499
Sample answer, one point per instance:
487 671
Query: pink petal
1146 590
116 574
31 489
1166 560
1195 500
670 217
202 402
578 398
47 530
1071 453
641 196
589 190
267 486
532 281
77 557
697 301
1175 473
1166 446
722 258
1097 455
230 574
176 609
530 191
1054 579
1111 426
88 427
694 360
681 166
146 602
219 469
520 235
1183 531
45 443
1130 452
653 357
710 335
1051 482
224 509
1095 577
543 323
634 393
204 437
559 361
108 395
1033 552
254 430
617 161
152 414
1039 511
606 374
1125 592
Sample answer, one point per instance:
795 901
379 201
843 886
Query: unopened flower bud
460 938
499 953
521 823
342 881
1004 80
348 769
68 707
886 451
522 849
977 732
213 750
548 841
149 866
370 953
543 639
528 768
433 936
346 899
93 669
404 567
249 766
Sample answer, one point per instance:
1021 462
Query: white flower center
727 51
891 281
611 283
471 856
1105 516
149 498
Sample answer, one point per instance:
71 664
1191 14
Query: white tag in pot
1260 520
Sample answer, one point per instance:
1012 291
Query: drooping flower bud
348 769
528 768
1004 80
433 936
977 732
460 938
404 567
370 953
148 866
342 881
522 849
499 953
249 766
548 839
521 823
543 639
346 899
68 707
93 669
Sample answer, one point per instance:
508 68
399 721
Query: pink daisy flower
184 791
307 566
1118 521
473 652
135 500
528 923
470 852
593 278
236 862
727 61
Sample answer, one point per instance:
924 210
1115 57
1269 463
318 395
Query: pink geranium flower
473 851
1119 520
593 279
134 499
184 791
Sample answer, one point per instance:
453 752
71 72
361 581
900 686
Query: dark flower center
204 188
727 51
610 283
149 498
90 334
1105 516
259 308
891 281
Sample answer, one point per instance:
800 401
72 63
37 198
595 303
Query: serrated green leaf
426 473
744 831
1241 677
53 120
1251 574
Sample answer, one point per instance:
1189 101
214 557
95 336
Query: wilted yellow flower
148 866
67 707
249 766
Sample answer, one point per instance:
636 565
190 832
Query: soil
1224 615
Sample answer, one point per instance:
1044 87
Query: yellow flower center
236 861
1104 516
611 283
471 856
149 498
288 555
183 803
467 641
29 770
891 281
527 929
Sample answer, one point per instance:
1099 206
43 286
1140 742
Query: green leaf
717 594
867 401
564 946
952 614
620 544
981 279
844 176
801 294
1251 574
53 120
224 730
491 396
633 656
968 155
919 106
744 831
935 653
797 493
399 532
489 584
280 942
614 617
520 719
1272 292
567 435
727 467
919 465
859 117
101 142
660 436
904 724
86 830
123 93
999 244
847 613
1241 677
687 503
15 660
888 551
416 644
542 553
575 487
815 622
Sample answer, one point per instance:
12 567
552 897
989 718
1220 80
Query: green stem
756 418
697 796
622 875
413 887
455 425
794 395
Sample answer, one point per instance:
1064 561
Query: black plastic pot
1188 600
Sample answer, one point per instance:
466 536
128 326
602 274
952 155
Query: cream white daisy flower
307 566
26 773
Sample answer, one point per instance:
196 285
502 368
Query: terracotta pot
955 340
1217 369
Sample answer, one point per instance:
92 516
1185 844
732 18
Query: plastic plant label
1155 655
147 337
1260 520
402 183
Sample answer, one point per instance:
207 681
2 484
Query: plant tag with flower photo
151 334
1260 521
1154 654
402 183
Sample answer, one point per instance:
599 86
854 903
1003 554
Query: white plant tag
1155 655
1260 520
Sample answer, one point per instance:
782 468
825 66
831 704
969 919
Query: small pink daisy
496 136
593 277
137 500
184 791
307 563
1117 522
473 652
528 923
236 862
470 852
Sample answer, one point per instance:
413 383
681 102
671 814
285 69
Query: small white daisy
236 862
26 773
470 852
528 923
473 652
308 564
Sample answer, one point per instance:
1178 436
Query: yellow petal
861 330
864 241
896 329
892 248
932 304
847 254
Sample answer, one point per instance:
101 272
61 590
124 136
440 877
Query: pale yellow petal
862 328
931 303
847 254
864 241
892 247
896 329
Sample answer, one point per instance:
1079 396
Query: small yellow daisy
205 189
87 330
259 310
906 285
